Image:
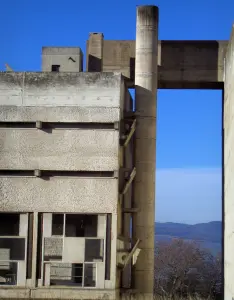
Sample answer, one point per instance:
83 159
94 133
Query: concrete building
77 164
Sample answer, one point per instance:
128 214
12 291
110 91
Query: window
73 249
81 225
55 68
57 224
9 224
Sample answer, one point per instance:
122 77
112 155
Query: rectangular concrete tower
145 143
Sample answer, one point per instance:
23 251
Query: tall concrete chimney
145 144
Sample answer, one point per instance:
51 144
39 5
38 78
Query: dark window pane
9 224
55 68
93 250
81 225
57 224
8 273
90 275
12 249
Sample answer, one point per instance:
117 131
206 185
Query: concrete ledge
61 114
58 194
65 150
57 293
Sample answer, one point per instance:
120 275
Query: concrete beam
181 64
65 150
67 114
58 194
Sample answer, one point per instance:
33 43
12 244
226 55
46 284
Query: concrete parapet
61 89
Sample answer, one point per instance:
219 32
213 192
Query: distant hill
209 235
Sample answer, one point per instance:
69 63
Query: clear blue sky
189 122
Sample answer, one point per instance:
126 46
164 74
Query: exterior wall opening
73 250
13 248
55 68
189 183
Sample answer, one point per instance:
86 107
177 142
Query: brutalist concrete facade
62 138
77 164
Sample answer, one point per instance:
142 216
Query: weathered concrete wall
68 114
70 59
59 194
228 171
60 89
74 149
182 64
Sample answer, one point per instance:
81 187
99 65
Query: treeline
184 270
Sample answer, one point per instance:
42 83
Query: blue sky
189 122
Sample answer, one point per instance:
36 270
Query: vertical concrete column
95 52
228 120
145 144
34 249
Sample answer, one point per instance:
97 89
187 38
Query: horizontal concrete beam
66 150
61 89
58 194
181 64
68 114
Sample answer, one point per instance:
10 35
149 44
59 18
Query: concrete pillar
95 53
228 120
34 249
145 144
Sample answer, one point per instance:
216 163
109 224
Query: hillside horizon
209 235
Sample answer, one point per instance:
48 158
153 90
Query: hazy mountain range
209 235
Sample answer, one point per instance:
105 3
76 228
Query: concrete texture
102 97
59 149
145 97
228 171
59 194
70 59
53 246
182 64
68 114
58 293
94 58
60 89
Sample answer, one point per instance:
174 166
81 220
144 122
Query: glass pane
12 249
8 273
94 250
9 224
81 225
90 275
66 274
57 224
